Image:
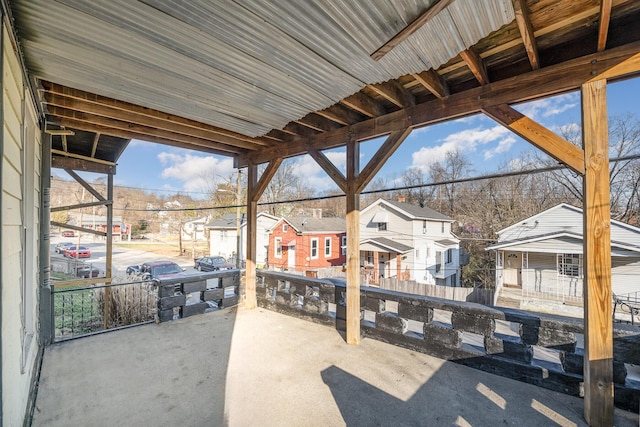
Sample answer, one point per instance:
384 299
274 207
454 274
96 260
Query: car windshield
167 269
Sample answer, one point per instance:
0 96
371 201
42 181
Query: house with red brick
304 243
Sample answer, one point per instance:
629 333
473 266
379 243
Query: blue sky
168 170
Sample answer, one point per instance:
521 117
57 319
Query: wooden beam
76 228
158 116
552 80
395 93
108 321
318 123
81 157
340 115
364 105
86 185
476 65
330 169
120 125
64 162
536 134
603 28
265 179
433 82
526 32
92 127
94 147
353 244
251 300
78 206
598 325
432 10
381 156
295 129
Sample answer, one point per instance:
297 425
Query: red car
76 251
68 233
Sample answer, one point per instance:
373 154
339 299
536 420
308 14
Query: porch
257 367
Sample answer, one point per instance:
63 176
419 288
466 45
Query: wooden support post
353 244
255 188
598 324
109 256
250 301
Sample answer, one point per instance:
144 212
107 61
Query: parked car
87 271
156 269
213 263
75 251
68 233
60 247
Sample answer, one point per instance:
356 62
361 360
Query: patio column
598 324
353 244
255 188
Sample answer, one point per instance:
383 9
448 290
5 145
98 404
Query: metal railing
626 307
83 311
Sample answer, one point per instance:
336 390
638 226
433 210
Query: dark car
87 271
213 263
156 269
60 247
68 233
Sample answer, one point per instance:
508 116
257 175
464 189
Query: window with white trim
327 247
448 256
285 228
570 265
314 248
424 226
277 250
344 245
382 226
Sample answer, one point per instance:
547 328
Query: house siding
303 259
21 165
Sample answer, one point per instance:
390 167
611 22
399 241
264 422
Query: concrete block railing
186 296
544 350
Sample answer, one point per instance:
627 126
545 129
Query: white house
223 236
410 242
543 254
195 230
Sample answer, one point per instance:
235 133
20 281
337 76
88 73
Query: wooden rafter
94 147
526 32
265 179
81 157
436 7
364 104
340 114
547 81
61 96
476 65
547 141
603 28
318 123
434 83
395 93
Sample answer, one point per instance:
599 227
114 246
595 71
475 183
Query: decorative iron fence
82 311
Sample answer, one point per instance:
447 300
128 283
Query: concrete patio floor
259 368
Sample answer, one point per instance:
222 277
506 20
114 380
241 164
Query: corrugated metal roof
246 66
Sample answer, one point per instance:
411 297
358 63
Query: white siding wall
21 166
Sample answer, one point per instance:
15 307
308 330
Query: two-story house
410 242
303 243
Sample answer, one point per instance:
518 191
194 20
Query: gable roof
384 243
228 221
304 224
560 223
411 211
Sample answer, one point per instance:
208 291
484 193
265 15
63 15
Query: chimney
401 199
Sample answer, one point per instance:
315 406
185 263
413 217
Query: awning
446 242
382 244
289 243
380 217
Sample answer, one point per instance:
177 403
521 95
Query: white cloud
503 146
194 173
466 141
549 107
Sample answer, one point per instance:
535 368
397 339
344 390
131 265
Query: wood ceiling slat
364 104
434 82
603 29
526 32
135 118
395 93
476 65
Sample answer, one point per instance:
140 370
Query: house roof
226 221
303 224
411 211
384 243
263 80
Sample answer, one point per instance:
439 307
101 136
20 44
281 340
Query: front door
292 256
513 269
